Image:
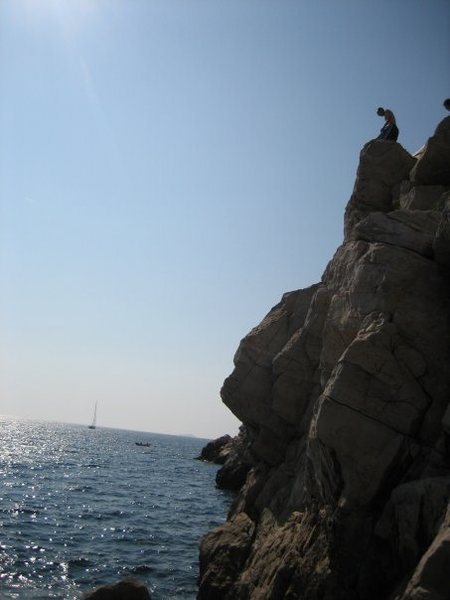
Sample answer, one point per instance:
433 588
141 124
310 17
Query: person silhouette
389 131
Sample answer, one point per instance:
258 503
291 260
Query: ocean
81 508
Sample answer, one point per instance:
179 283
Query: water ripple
80 508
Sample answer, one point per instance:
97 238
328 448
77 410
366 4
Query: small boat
93 425
144 444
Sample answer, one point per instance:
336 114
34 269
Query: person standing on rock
389 131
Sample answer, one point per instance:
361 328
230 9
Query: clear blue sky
168 168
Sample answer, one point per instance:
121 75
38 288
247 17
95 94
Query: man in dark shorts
389 131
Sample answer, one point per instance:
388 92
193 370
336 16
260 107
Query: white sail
94 420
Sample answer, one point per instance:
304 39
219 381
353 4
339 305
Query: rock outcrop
217 451
234 456
344 393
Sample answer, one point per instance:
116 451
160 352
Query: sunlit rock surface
344 391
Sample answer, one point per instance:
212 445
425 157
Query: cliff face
344 390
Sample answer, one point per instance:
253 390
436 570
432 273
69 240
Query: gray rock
383 166
248 390
430 580
233 474
344 389
127 589
414 230
365 450
422 197
217 451
441 241
223 553
413 516
296 374
433 167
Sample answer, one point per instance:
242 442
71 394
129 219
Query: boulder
413 517
248 390
422 197
127 589
414 230
216 451
295 369
223 553
233 473
433 167
430 580
382 167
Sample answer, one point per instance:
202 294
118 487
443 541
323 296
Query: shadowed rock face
216 451
344 389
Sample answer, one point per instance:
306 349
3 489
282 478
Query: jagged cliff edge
343 390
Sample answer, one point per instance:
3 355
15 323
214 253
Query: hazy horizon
145 432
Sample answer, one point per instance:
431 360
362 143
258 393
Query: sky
168 169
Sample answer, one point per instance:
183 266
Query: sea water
81 507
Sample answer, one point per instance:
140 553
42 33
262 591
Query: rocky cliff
344 391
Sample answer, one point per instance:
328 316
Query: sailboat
94 420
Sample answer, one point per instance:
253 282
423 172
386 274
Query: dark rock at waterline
234 456
127 589
225 549
216 451
233 474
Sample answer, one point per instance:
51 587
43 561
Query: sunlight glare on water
81 507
